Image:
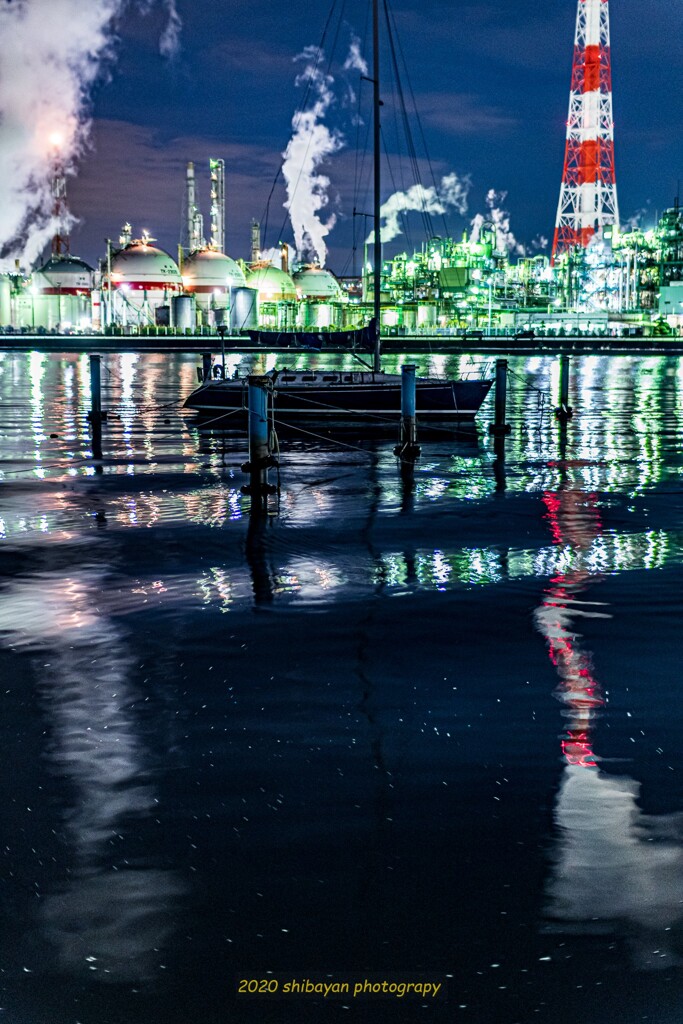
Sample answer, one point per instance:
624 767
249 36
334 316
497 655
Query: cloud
464 114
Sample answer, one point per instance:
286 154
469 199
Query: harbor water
403 727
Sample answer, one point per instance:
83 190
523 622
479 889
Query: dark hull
363 338
369 400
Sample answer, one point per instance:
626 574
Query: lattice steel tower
588 195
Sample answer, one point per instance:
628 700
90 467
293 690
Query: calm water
394 729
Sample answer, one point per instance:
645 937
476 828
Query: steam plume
53 53
500 219
311 143
450 195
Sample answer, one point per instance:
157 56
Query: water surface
398 726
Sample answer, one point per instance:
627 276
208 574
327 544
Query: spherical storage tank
321 295
142 278
316 283
61 291
209 274
272 284
216 281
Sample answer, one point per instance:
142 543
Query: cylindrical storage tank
306 315
5 293
162 315
96 309
243 309
210 275
426 315
183 314
409 318
389 317
320 314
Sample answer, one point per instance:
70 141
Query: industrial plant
600 279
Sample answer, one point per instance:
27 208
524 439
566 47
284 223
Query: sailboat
347 398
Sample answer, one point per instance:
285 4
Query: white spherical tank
61 291
64 275
209 275
272 284
318 284
143 277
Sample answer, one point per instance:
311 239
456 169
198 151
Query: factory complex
621 283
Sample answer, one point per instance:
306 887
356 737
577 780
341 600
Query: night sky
491 80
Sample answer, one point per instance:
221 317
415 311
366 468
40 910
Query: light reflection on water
365 584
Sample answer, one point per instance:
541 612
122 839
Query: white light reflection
109 914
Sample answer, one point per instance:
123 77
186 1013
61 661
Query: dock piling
564 410
408 449
206 366
261 458
499 426
95 415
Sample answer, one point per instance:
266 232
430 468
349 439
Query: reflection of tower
574 521
588 194
616 869
217 169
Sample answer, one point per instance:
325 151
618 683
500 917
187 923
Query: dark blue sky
491 80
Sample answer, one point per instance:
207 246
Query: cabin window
288 376
329 376
348 378
308 376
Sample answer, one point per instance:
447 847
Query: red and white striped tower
588 195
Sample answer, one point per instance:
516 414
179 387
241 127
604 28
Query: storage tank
317 315
272 284
5 293
210 275
62 290
317 284
183 313
426 315
243 308
143 277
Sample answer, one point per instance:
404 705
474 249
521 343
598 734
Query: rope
322 437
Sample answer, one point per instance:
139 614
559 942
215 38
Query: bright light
57 140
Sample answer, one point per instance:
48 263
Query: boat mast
377 248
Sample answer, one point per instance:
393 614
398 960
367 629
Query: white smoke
311 143
539 243
169 43
52 54
274 257
355 60
451 194
500 220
